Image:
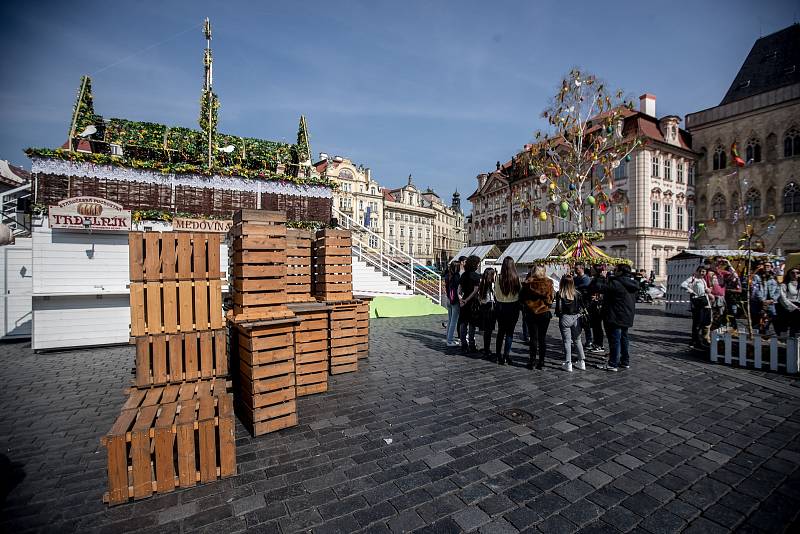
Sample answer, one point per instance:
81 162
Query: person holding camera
619 304
699 293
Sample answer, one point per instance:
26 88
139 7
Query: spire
209 103
409 179
303 145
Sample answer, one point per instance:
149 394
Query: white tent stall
681 266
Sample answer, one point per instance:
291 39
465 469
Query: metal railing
390 261
9 215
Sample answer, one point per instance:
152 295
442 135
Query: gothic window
753 151
720 158
791 143
791 198
753 202
718 209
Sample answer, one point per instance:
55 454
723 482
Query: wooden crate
175 358
298 265
168 437
362 324
312 350
171 307
161 256
343 338
258 265
265 392
332 261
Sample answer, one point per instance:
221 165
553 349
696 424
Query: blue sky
440 90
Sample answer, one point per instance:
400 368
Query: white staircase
17 221
370 282
385 259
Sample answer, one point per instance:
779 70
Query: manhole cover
517 416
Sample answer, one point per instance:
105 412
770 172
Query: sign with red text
182 224
89 213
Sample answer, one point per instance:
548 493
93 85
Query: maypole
209 104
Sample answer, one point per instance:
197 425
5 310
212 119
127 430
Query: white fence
757 352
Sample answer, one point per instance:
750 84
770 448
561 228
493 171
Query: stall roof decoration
582 251
710 253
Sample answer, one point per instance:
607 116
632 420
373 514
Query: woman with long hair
536 297
453 307
569 305
487 309
468 300
506 290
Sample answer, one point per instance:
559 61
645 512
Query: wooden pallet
172 307
266 395
312 351
332 261
175 358
343 338
362 324
258 265
298 265
161 256
168 437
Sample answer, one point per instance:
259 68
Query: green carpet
410 307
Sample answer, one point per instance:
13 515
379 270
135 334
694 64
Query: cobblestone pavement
415 440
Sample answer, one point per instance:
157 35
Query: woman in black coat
619 308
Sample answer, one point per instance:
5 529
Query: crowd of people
719 294
588 308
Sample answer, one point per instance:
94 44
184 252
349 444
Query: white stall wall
677 300
80 288
16 283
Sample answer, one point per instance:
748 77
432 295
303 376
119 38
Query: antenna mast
208 62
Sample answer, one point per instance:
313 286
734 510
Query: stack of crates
176 428
333 267
312 347
362 323
258 265
344 339
298 265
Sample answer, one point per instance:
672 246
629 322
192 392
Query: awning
482 251
541 248
515 250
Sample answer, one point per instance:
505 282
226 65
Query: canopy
536 250
583 251
482 251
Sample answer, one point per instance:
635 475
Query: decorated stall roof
482 251
538 249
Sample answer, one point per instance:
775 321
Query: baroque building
650 207
358 195
448 226
760 113
409 221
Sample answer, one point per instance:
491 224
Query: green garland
560 260
177 168
205 124
83 110
572 237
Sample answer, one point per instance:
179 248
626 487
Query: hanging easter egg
543 215
615 164
609 129
542 179
701 225
591 200
602 219
628 157
552 185
564 205
572 187
603 207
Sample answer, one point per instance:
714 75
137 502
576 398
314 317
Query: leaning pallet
312 351
298 265
258 265
343 337
170 307
362 324
175 358
160 256
168 437
333 269
265 389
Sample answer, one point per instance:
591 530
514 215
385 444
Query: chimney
368 174
647 104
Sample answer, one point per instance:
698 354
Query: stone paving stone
674 443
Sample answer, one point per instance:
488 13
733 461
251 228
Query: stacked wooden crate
298 265
263 344
333 268
177 429
258 265
312 347
362 323
344 339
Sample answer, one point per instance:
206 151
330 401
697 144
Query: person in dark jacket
594 307
453 307
469 303
619 307
536 297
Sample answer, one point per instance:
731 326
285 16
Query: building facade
358 196
650 207
761 114
409 221
448 226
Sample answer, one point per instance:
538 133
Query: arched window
720 158
718 209
791 198
753 151
791 143
753 203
